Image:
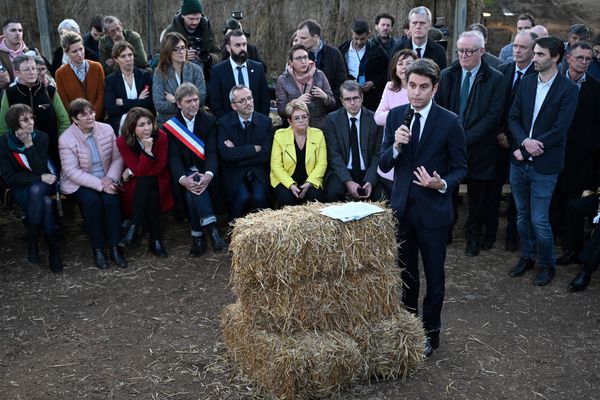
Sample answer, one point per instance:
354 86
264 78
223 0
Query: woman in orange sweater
80 78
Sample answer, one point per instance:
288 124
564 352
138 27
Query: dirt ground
152 331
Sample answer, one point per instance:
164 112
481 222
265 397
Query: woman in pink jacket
92 167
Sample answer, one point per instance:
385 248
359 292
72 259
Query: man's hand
190 184
368 189
352 188
368 86
518 155
204 181
229 143
429 181
502 140
534 147
401 136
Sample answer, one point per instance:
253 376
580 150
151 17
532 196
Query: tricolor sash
24 163
181 132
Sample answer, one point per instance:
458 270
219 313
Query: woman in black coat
25 168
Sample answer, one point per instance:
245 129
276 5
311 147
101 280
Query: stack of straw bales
319 303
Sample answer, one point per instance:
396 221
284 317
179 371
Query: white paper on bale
350 211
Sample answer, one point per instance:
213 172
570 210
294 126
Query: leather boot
54 254
100 259
33 250
198 245
130 237
218 244
117 257
156 247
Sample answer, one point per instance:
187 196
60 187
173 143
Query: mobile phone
361 192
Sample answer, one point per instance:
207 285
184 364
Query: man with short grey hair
113 33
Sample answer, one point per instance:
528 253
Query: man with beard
113 33
11 46
237 70
384 23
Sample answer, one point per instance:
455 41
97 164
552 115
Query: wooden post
149 36
44 27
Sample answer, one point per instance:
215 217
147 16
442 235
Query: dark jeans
200 209
286 198
532 192
146 205
38 206
480 196
249 191
101 214
431 243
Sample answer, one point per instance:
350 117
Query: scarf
12 53
303 81
80 71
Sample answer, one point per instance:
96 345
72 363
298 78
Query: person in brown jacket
80 78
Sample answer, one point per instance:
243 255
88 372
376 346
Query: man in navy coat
429 164
539 120
237 70
244 141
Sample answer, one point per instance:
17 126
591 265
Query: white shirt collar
425 111
357 116
234 64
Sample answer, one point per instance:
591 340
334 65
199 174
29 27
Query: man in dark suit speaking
426 145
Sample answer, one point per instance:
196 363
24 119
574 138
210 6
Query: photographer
191 22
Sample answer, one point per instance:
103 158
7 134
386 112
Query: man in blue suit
237 70
244 140
428 153
539 120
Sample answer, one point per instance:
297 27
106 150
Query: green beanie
191 7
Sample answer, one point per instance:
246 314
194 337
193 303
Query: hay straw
324 304
304 366
296 244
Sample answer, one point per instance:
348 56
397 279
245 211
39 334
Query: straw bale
393 347
324 304
296 244
303 366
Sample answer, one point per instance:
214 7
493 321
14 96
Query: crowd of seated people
126 139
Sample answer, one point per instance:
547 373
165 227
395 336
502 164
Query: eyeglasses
301 58
583 59
354 99
299 118
30 69
466 52
180 49
27 119
245 100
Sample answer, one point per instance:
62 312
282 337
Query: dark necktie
415 132
354 148
516 84
464 94
246 123
418 52
240 77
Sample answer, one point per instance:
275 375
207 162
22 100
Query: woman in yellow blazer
298 158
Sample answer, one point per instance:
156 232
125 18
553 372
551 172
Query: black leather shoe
157 248
544 277
487 244
511 245
434 341
54 260
100 259
198 246
428 349
523 265
581 281
117 257
472 249
568 257
218 244
449 238
130 237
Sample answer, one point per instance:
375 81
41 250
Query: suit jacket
337 137
181 159
243 158
283 157
374 67
433 51
583 141
222 81
551 125
481 117
114 88
441 148
508 76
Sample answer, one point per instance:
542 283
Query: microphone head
408 115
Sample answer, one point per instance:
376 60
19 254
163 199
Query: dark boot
130 237
100 259
198 245
156 247
218 244
33 250
54 254
117 257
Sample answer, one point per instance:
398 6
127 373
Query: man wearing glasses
353 140
244 141
582 140
474 91
237 70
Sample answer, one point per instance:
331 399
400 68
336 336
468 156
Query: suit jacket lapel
344 134
550 93
427 129
364 137
138 78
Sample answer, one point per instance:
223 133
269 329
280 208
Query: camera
237 15
196 44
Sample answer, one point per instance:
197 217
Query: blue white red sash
181 132
24 163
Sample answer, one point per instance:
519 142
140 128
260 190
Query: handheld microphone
408 116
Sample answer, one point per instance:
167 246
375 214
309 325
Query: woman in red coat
147 188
